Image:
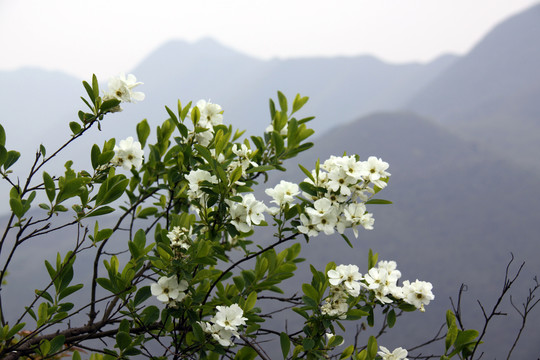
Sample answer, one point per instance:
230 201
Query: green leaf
57 343
355 314
111 189
50 187
69 290
451 337
285 344
310 292
378 202
3 155
16 207
103 210
347 352
14 330
465 337
123 340
263 168
76 355
89 91
95 86
12 157
109 104
70 188
282 102
143 131
246 353
391 318
372 347
142 295
299 102
150 315
250 301
2 136
307 173
75 127
308 344
44 347
106 284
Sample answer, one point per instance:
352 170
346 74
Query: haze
106 37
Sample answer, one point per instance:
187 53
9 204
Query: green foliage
181 216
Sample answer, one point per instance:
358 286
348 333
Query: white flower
375 170
168 289
229 317
128 154
180 237
196 178
247 213
308 227
347 276
323 215
418 293
397 354
283 193
121 88
210 113
220 334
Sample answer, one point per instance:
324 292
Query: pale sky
110 36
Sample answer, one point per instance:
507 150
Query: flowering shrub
181 204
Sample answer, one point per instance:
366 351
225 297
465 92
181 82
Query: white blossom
121 88
196 178
283 193
348 277
128 154
397 354
417 293
229 317
168 290
180 237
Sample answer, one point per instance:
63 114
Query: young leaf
285 344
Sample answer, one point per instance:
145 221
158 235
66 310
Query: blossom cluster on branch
181 203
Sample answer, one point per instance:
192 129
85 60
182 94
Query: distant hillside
491 95
455 219
340 89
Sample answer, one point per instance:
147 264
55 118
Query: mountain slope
242 85
455 219
491 94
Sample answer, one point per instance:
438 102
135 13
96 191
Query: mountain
346 86
455 218
491 95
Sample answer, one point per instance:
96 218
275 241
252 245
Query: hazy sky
109 36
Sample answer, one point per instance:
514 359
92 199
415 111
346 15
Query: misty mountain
340 89
491 95
455 218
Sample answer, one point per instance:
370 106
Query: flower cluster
168 290
128 154
180 237
344 282
121 88
340 193
382 280
247 213
282 194
196 179
243 158
211 115
225 324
